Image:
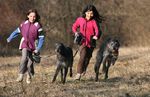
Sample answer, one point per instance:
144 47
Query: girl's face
88 14
32 17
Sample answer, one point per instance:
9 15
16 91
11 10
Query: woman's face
32 17
88 14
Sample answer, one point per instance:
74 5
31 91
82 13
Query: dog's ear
56 44
59 44
118 43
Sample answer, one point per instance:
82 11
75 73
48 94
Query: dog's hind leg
96 68
56 73
71 65
97 65
71 72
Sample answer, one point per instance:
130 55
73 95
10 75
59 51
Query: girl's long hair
36 13
96 15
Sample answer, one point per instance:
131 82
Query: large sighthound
107 56
64 61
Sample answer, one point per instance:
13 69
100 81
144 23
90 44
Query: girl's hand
95 37
35 51
8 40
76 33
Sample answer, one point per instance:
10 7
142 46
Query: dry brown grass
129 77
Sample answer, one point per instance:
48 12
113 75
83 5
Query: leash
76 52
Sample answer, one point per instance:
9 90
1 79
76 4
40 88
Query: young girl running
30 30
88 27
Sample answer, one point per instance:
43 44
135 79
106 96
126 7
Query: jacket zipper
28 32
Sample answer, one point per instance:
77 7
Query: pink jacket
87 28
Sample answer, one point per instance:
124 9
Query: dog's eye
112 43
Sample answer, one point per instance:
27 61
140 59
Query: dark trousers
85 56
26 64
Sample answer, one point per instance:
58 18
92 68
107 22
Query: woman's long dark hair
36 13
96 15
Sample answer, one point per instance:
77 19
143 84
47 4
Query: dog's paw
96 79
53 81
71 74
106 77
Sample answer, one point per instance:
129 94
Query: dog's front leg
113 60
56 72
65 74
104 64
107 68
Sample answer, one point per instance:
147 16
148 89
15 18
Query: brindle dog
64 61
107 55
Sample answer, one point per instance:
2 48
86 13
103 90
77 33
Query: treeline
128 20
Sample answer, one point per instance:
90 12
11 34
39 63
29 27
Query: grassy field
129 77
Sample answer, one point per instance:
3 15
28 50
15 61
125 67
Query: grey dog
64 61
106 55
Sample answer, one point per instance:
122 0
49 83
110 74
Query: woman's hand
95 37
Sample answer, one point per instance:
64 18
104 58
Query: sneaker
84 72
77 77
28 80
20 78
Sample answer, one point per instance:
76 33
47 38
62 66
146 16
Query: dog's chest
61 58
114 56
111 54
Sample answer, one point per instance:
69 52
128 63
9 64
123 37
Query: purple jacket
32 35
29 32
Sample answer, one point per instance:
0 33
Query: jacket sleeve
41 39
14 34
75 25
96 29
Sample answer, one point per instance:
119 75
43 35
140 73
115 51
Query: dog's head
59 48
113 45
78 38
